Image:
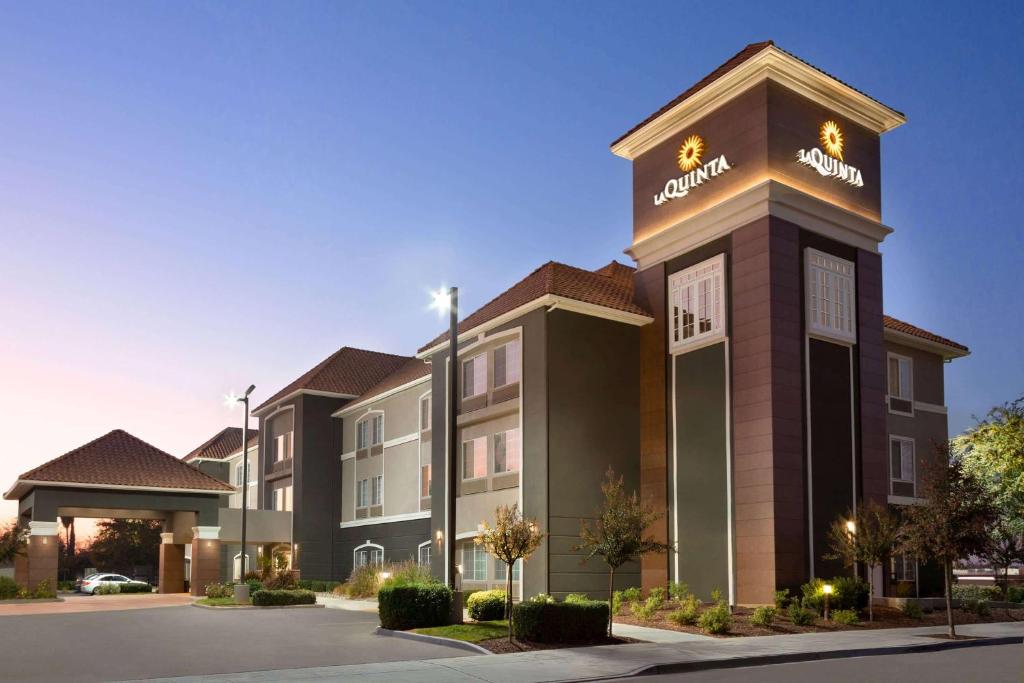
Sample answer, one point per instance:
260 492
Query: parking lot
111 645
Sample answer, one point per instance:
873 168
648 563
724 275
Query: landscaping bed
493 636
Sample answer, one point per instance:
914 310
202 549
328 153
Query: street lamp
242 588
448 300
827 590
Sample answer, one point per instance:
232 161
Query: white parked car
89 584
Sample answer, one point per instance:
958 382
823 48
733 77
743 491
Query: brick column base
171 575
205 559
41 555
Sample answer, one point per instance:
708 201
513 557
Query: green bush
846 617
912 610
560 622
220 590
279 582
782 599
408 573
763 616
107 589
65 585
44 589
254 585
576 597
657 592
363 582
688 612
716 620
414 606
678 590
645 610
799 615
146 588
1015 594
976 593
543 598
978 607
631 594
847 593
487 605
273 598
8 588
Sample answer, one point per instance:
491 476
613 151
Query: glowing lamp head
458 568
385 575
827 589
441 300
851 526
440 535
231 399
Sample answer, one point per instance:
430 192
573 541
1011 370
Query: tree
954 521
1004 547
12 541
512 538
122 544
866 536
617 534
993 451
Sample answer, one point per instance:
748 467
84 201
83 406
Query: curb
792 657
437 640
229 607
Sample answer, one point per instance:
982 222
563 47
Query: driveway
77 602
178 641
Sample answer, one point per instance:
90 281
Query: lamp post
851 532
242 588
827 590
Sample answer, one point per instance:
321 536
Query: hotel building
741 376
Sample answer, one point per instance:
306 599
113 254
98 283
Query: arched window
370 431
368 554
423 555
238 573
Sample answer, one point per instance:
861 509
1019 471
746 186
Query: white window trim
419 550
420 487
430 412
893 477
519 439
476 550
365 546
910 363
718 326
462 369
815 328
519 362
378 480
356 499
462 458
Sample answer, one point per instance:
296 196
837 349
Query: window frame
377 487
425 399
477 553
835 270
893 479
517 365
428 546
425 482
519 451
709 270
363 493
899 358
462 454
372 550
482 358
279 442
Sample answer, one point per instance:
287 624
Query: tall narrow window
377 430
425 481
424 554
363 493
283 446
831 296
506 364
474 376
506 451
696 304
901 384
901 451
363 434
376 490
474 458
474 562
239 476
425 413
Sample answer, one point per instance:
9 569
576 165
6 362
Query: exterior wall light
851 526
827 590
385 575
440 535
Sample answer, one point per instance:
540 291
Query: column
205 558
171 575
41 555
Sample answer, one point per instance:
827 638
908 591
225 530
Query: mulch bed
501 646
885 617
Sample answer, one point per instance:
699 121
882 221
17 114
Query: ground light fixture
827 590
242 588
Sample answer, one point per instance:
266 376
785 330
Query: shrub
8 588
716 620
846 617
657 592
146 588
781 599
576 597
44 589
912 610
279 582
408 573
561 622
542 598
65 585
800 616
487 605
847 593
631 594
220 590
252 576
678 590
688 612
1015 594
363 582
978 607
273 598
969 592
647 609
763 616
107 589
254 585
416 606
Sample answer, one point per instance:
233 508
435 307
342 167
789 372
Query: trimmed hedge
560 622
318 586
486 605
414 606
136 588
273 598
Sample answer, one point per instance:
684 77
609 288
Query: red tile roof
906 328
224 443
346 371
120 459
412 370
730 64
610 287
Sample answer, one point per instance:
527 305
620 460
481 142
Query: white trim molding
206 533
260 412
352 407
167 538
390 519
906 500
930 408
43 528
774 64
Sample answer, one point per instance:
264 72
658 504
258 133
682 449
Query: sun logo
832 139
690 153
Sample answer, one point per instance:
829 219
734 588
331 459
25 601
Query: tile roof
224 443
346 371
413 369
914 331
610 287
730 64
120 459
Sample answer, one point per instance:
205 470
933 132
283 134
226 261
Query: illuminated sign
689 159
830 162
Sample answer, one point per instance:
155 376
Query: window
831 296
425 481
500 568
474 376
377 430
363 434
368 554
370 431
474 562
425 413
506 364
904 568
696 303
283 446
362 493
239 476
474 458
282 498
424 554
901 452
376 489
506 451
901 384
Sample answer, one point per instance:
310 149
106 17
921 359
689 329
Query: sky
199 196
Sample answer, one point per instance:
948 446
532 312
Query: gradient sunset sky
199 196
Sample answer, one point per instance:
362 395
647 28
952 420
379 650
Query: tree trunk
947 567
611 598
871 592
508 600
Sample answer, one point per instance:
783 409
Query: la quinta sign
696 174
830 161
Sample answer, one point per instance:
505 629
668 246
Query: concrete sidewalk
613 661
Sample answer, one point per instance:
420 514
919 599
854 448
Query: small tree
12 541
617 535
954 521
512 538
866 536
1005 547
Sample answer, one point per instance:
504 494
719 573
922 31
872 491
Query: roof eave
947 351
15 492
270 406
770 63
341 412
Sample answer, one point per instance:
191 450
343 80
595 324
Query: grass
471 633
219 602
